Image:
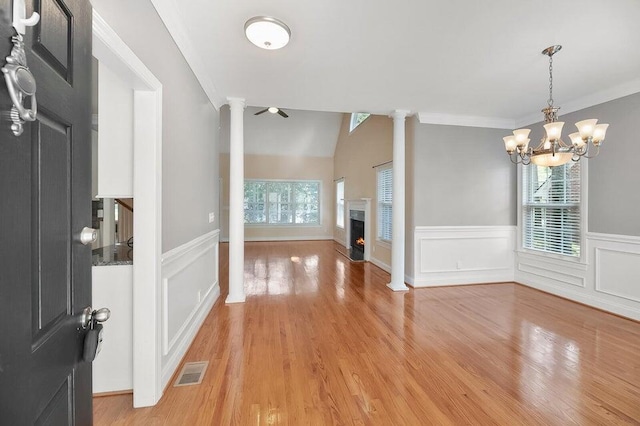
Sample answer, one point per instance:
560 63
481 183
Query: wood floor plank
322 341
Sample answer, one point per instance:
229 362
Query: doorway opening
110 50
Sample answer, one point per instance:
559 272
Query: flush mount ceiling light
267 32
552 151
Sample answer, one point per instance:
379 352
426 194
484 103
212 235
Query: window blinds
340 204
551 208
385 197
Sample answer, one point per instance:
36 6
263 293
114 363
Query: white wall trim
597 98
173 254
189 332
110 49
587 299
465 230
380 264
599 282
174 262
466 120
616 238
608 279
339 241
171 16
283 238
409 280
460 255
590 100
192 271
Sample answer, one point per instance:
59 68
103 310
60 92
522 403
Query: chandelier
553 151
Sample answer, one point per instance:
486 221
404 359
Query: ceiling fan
273 110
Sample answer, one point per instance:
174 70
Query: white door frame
109 48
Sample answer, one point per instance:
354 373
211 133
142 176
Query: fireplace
357 241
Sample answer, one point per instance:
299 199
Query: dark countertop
118 254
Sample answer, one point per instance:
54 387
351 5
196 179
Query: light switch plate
212 217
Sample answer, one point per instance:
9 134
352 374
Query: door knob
88 235
89 316
101 315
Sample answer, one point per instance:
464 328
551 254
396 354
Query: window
356 119
282 202
551 209
385 197
340 203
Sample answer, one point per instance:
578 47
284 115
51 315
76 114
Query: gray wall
190 135
463 177
614 176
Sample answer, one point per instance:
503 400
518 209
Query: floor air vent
192 373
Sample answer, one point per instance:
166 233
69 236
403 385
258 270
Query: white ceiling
303 134
469 60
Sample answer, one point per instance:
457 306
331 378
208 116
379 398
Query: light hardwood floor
322 341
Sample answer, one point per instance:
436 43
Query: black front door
45 181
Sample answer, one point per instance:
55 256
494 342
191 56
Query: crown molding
170 15
619 91
465 120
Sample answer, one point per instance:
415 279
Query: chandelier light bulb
554 130
576 139
599 132
510 143
586 128
273 110
521 136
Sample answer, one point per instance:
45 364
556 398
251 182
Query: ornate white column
397 222
236 201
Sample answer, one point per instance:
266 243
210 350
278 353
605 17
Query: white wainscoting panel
190 286
617 273
553 271
454 255
609 280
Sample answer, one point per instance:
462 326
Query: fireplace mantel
363 205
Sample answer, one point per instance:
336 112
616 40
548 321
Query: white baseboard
585 298
380 264
279 238
339 241
608 280
190 287
461 255
294 238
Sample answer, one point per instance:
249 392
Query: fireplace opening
356 235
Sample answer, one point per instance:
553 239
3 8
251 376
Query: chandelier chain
550 101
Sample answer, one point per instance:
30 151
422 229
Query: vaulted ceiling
444 59
302 134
